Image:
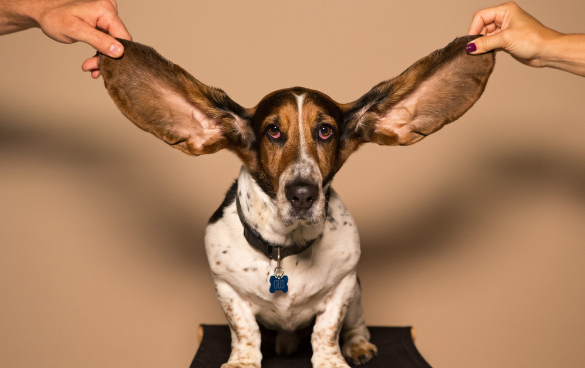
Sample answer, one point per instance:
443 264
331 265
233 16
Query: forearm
16 15
566 52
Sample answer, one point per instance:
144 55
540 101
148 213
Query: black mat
395 349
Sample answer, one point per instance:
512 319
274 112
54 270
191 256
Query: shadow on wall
428 229
108 170
472 198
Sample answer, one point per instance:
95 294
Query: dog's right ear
163 99
434 91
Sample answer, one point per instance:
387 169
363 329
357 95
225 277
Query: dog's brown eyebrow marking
273 120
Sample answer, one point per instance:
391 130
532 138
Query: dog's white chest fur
313 274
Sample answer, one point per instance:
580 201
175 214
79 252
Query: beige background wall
476 236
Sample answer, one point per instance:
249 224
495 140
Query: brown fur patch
277 156
324 153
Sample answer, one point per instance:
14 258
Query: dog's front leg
325 337
244 328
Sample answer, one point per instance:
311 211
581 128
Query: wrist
557 49
548 47
566 52
17 15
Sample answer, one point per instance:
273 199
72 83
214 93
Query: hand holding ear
94 22
509 28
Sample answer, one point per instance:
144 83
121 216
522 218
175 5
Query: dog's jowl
282 247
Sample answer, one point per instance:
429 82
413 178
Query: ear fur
162 98
434 91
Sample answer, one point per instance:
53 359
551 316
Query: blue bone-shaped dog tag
278 283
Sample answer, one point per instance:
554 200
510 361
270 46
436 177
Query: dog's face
297 133
295 140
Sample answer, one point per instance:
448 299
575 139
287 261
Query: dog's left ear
434 91
161 98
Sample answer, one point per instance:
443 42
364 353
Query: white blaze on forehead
300 100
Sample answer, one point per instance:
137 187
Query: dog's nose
301 195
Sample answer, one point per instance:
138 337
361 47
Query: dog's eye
325 132
273 131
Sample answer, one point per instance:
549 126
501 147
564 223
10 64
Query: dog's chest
312 275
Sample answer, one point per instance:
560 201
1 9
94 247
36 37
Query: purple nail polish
471 47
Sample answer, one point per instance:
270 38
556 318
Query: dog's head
295 140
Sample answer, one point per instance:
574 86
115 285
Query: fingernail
115 50
471 47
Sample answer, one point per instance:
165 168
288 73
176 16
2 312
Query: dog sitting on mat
282 247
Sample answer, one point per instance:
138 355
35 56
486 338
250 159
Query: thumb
100 41
486 43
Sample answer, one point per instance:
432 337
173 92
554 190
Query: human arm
509 28
94 22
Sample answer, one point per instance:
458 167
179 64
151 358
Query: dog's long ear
434 91
163 99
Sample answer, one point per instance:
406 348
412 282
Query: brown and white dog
291 144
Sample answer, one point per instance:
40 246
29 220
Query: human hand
94 22
509 28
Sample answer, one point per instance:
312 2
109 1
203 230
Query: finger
113 25
115 5
90 64
486 43
100 41
496 31
490 28
95 74
484 17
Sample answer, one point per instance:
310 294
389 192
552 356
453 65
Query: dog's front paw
239 365
358 350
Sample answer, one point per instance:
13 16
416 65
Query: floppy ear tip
107 66
134 53
473 71
128 46
486 60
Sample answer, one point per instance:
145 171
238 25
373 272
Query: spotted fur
282 143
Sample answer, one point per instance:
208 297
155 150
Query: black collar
270 249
